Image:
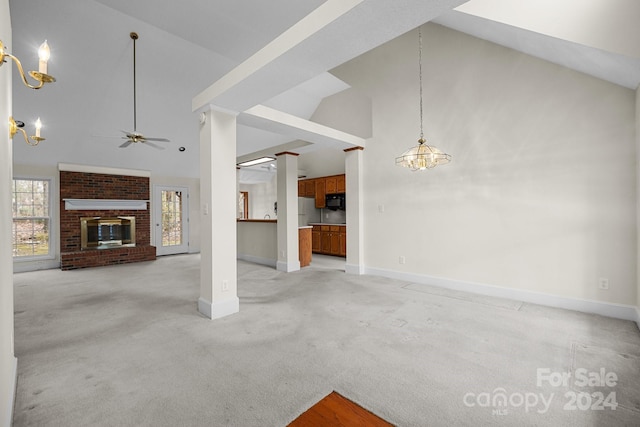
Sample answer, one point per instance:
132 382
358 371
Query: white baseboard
638 317
25 266
618 311
288 267
354 269
8 412
218 309
257 260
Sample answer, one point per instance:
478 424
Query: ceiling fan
135 136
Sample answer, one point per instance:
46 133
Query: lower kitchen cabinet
316 245
329 240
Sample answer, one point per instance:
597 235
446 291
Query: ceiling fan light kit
135 136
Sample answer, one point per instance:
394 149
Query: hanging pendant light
422 156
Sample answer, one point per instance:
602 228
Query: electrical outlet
225 285
381 208
603 283
401 260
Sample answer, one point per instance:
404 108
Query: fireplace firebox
107 232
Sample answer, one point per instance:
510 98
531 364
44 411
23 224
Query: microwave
335 201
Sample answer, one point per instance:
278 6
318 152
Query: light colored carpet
125 346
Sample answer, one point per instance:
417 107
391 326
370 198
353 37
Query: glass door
171 220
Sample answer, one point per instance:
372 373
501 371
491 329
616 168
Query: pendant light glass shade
422 156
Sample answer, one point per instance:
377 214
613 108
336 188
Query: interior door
171 220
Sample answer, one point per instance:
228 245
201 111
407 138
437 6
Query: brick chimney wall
82 185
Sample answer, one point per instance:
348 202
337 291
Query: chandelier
422 156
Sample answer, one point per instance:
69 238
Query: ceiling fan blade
125 144
157 139
146 142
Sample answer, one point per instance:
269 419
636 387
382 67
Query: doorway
171 214
243 205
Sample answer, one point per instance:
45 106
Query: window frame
51 217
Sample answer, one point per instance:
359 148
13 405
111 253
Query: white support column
218 266
288 259
8 362
355 211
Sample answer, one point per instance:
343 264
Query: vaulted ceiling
186 46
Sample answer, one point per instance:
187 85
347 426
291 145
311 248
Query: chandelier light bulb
44 53
38 127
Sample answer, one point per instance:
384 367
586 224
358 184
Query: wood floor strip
335 410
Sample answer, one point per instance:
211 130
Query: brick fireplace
103 195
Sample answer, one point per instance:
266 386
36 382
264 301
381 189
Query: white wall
610 25
258 242
353 116
8 362
322 162
638 201
540 195
262 196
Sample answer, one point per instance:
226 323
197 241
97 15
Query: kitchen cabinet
329 240
319 187
325 242
334 238
304 246
335 184
316 239
320 193
331 185
307 188
341 184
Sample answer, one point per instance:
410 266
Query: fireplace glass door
107 232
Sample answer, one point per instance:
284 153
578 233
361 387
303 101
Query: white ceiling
613 67
185 46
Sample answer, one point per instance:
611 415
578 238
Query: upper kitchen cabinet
334 184
307 188
320 193
331 185
341 184
318 188
310 188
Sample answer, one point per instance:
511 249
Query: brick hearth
82 185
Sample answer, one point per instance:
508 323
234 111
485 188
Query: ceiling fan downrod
134 37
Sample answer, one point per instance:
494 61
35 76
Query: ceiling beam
272 120
307 26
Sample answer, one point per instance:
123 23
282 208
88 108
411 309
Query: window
31 217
